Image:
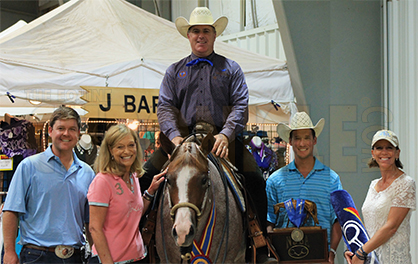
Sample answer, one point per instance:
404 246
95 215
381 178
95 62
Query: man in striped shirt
304 178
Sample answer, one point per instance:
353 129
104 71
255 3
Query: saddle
255 233
310 208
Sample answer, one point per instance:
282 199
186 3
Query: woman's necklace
388 181
130 183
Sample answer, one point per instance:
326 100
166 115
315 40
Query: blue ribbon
298 214
196 61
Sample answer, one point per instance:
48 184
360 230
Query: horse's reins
225 229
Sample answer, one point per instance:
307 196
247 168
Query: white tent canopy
114 43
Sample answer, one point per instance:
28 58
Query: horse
198 220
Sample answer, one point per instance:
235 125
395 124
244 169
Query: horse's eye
204 180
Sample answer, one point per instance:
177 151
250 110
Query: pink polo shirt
122 219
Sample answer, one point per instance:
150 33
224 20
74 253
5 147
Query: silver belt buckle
64 252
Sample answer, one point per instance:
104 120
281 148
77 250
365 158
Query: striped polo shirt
288 182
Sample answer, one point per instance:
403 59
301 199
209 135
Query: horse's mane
189 154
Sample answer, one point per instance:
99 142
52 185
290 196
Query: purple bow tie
196 61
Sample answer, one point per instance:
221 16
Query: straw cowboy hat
201 16
300 120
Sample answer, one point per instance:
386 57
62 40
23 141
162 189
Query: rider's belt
61 251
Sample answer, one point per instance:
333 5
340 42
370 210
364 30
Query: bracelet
360 257
363 253
146 197
148 194
333 251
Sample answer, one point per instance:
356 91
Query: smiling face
303 143
124 152
64 134
385 154
202 39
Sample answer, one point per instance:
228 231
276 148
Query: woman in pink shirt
116 205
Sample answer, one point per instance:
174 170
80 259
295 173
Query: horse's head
187 185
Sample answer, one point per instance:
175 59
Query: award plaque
300 245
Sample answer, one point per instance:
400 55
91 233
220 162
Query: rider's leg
256 188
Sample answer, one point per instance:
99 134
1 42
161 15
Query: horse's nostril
174 232
190 235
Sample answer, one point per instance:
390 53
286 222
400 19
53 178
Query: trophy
300 244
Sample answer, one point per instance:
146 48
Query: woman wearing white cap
388 205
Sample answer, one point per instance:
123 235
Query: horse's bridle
186 204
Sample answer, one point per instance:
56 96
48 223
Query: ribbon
200 252
196 61
298 214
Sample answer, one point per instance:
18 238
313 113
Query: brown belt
48 249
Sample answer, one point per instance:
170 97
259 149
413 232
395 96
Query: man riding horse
207 87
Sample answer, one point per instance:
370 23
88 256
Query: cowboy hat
201 16
300 120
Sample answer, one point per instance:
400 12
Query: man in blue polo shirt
304 178
48 196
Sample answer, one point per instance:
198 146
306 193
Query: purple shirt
215 94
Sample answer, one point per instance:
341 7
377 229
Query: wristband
146 197
148 194
333 251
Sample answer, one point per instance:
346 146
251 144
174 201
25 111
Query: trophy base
300 245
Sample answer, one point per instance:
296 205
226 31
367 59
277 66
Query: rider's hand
220 148
177 140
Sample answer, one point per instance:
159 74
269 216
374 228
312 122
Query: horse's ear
207 143
166 144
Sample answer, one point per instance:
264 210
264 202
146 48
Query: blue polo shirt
51 202
288 182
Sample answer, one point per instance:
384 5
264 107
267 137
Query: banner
354 232
126 103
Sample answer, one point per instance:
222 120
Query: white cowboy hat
300 120
201 16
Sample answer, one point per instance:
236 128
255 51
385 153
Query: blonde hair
104 162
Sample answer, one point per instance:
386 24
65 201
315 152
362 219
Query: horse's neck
212 196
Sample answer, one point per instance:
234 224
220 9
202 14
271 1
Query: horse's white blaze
183 220
183 179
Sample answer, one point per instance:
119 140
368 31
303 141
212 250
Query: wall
402 84
337 54
263 40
